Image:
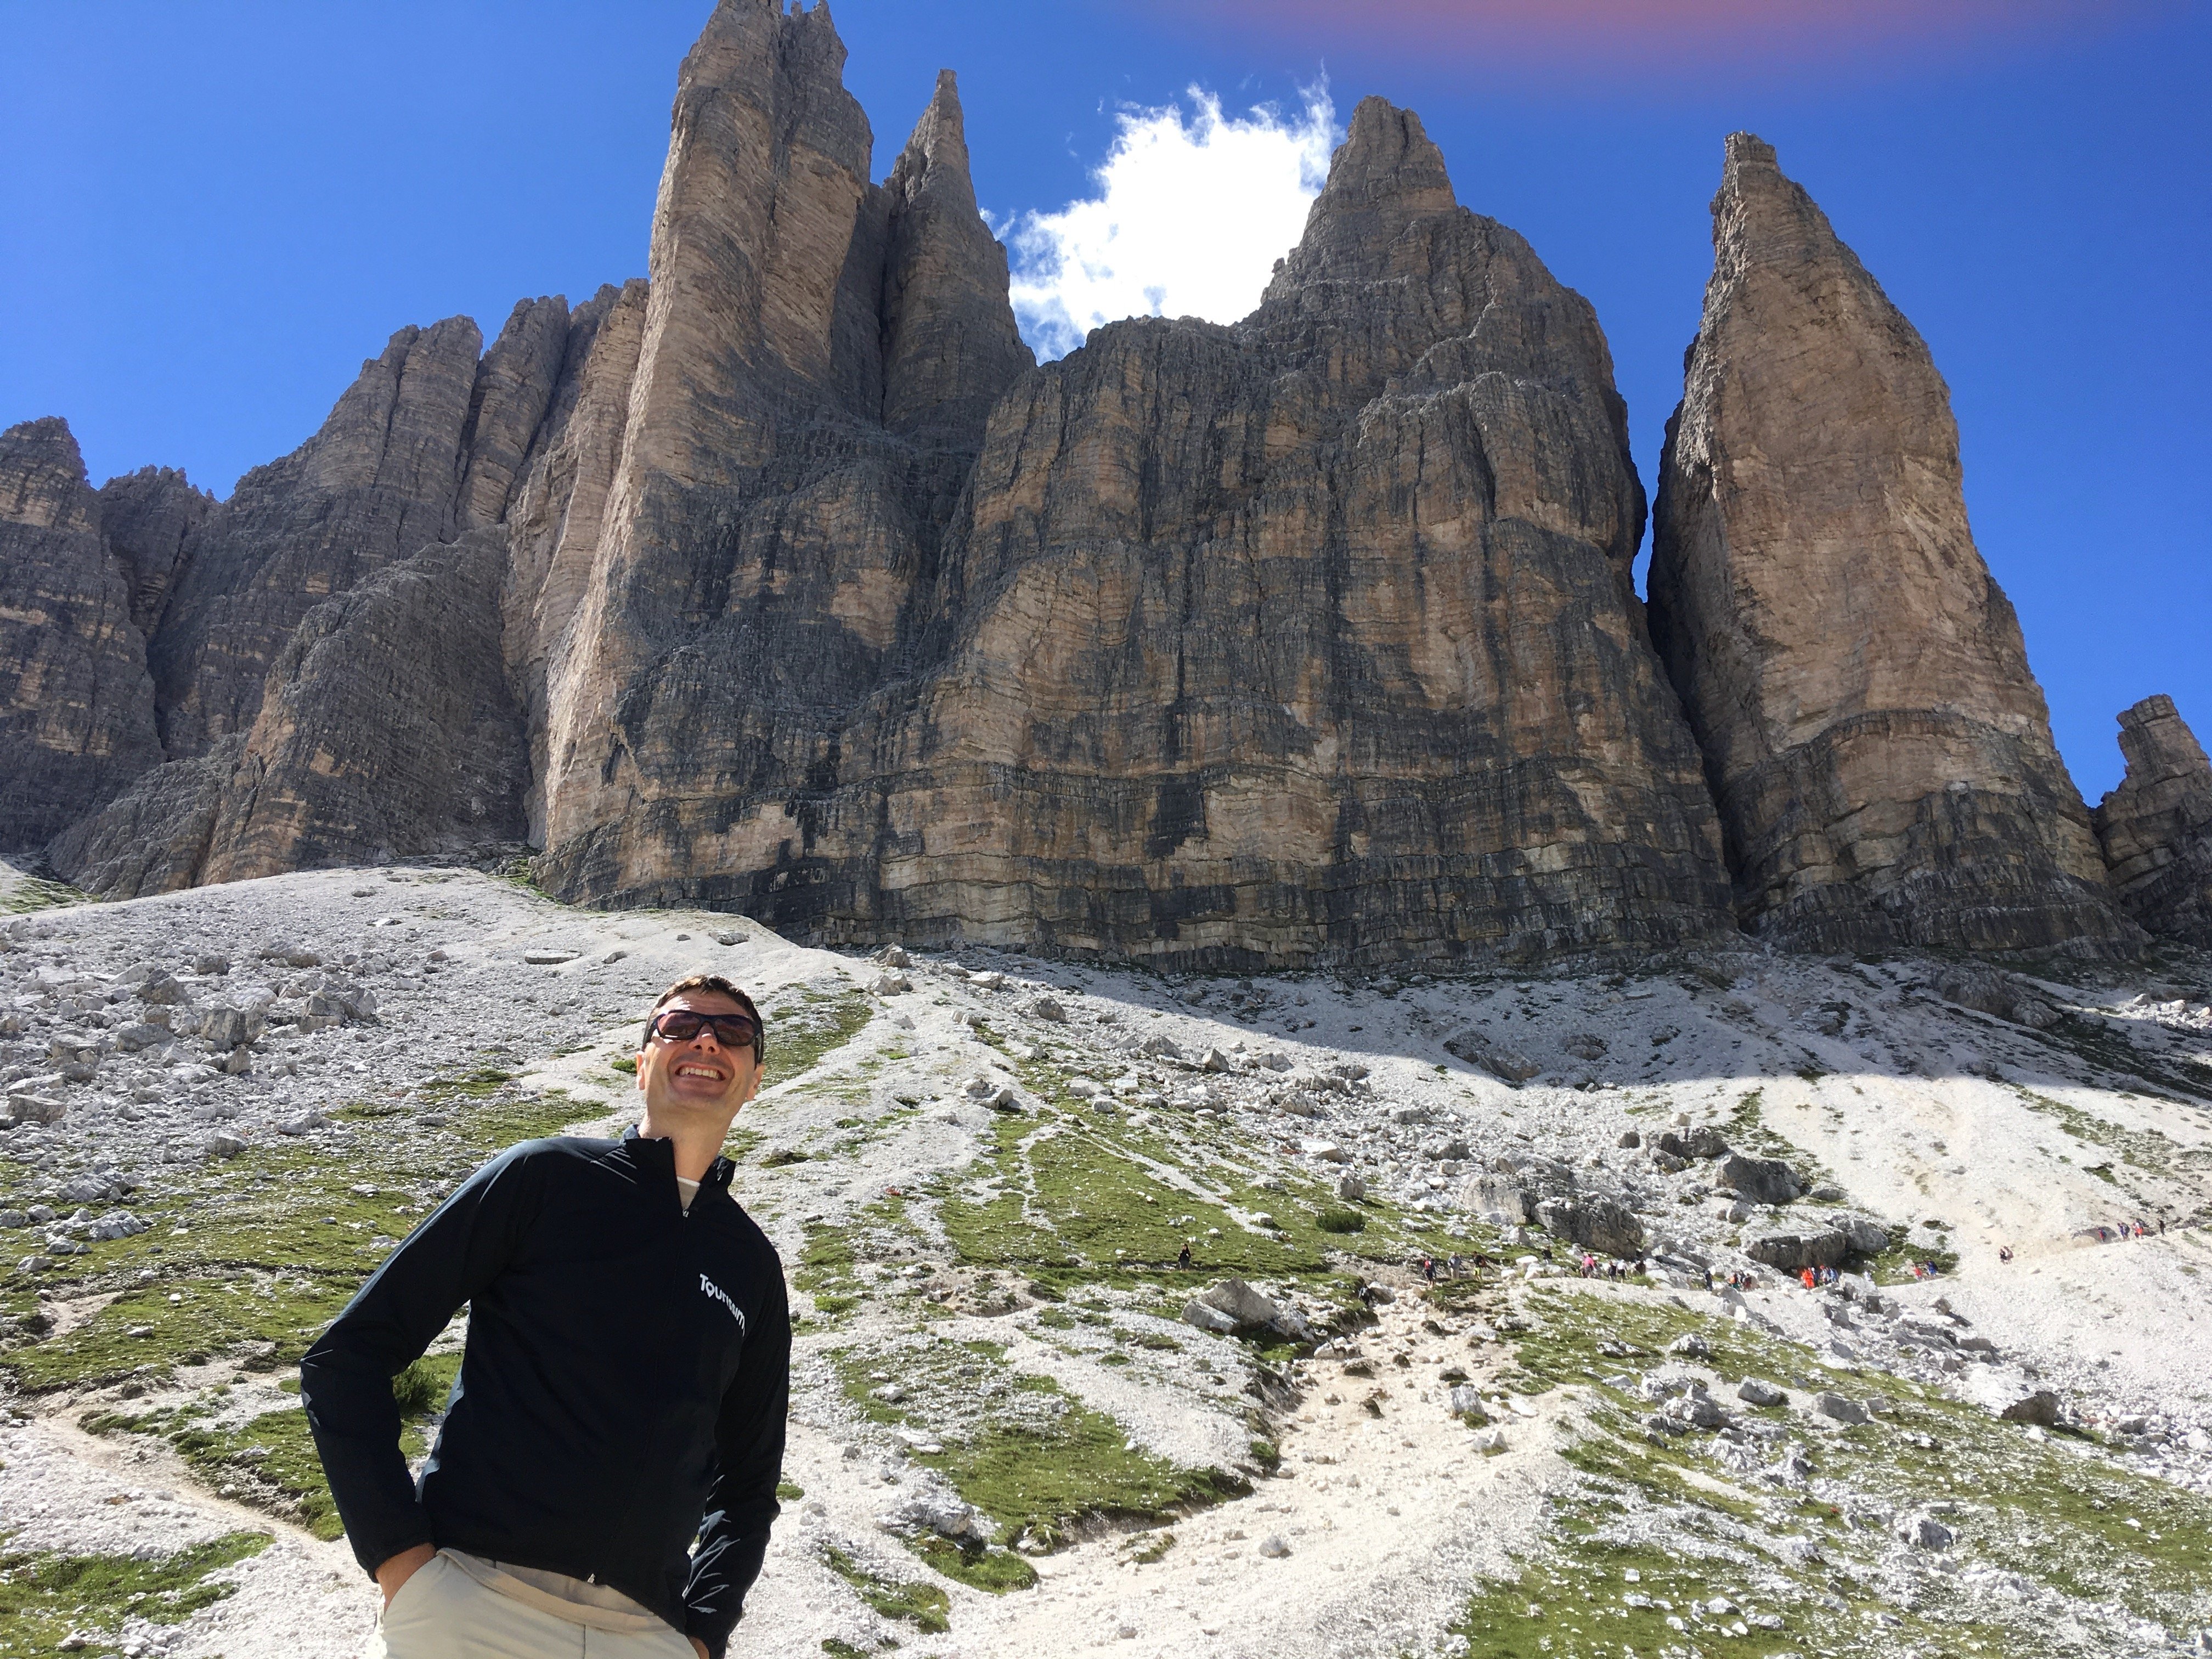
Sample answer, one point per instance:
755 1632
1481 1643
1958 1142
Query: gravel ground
184 1036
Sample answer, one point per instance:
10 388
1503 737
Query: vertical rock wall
786 582
1881 754
2157 827
76 709
781 492
1310 638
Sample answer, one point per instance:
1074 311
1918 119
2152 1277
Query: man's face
702 1075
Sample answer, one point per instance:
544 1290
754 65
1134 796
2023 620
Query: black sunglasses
682 1025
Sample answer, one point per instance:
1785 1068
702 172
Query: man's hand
702 1646
401 1568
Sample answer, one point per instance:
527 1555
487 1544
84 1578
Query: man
622 1392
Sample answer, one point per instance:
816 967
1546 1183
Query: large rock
1882 754
1761 1179
2157 827
76 709
1595 1223
1793 1252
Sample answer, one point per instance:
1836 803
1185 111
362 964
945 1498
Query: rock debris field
1614 1421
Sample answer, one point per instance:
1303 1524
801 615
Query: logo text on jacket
712 1289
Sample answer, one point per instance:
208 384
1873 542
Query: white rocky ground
977 1166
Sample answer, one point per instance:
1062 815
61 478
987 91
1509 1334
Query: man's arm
345 1380
741 1505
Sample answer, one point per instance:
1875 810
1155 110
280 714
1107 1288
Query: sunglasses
682 1025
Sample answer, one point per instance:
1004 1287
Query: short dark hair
711 982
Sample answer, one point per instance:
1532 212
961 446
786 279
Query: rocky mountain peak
1881 754
1386 175
76 709
42 481
950 345
2156 828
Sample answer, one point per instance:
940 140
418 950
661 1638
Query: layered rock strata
2156 828
76 709
1312 637
1881 754
785 581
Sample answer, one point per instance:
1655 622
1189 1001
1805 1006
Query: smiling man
606 1477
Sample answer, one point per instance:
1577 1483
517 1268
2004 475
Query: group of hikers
2126 1230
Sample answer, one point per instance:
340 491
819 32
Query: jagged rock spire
1387 174
76 710
950 343
1882 754
2157 827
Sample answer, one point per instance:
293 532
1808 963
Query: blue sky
215 212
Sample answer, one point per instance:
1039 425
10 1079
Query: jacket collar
659 1155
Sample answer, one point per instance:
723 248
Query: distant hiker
1429 1268
1709 1277
606 1477
1182 1256
1808 1277
2004 1252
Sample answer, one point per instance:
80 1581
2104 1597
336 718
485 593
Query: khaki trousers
442 1613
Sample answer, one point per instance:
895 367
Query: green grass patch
1044 1461
916 1601
31 893
45 1596
1341 1221
997 1571
803 1028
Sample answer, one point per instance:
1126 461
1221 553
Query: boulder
1862 1236
1247 1309
1761 1179
1924 1532
162 989
2039 1406
1793 1252
1752 1391
1837 1408
1595 1222
1477 1049
1501 1200
1703 1141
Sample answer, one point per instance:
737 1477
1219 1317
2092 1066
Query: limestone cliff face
431 441
1314 636
150 518
2157 827
76 710
949 341
812 367
785 581
1881 754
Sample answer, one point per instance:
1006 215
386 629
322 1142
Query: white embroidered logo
722 1296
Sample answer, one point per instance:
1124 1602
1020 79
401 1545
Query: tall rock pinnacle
2157 826
1882 754
76 710
950 343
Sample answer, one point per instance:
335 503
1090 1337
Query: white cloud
1191 215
